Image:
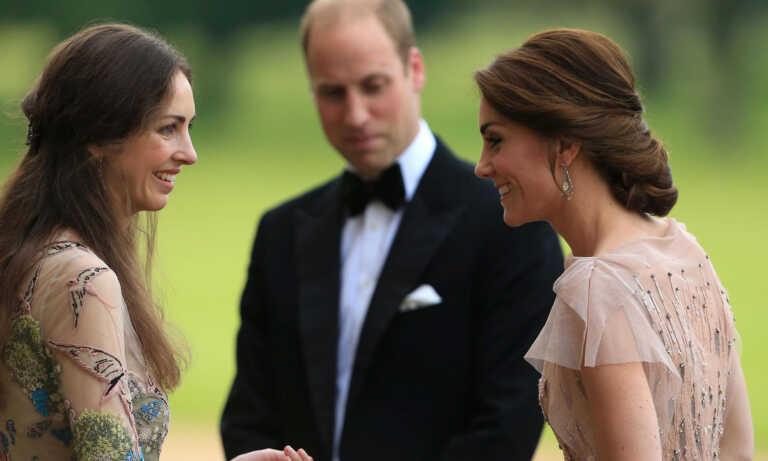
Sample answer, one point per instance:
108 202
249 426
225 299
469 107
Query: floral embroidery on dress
151 413
101 437
151 410
52 249
63 434
37 429
27 298
6 440
37 373
81 286
32 366
58 247
134 433
103 365
10 426
4 447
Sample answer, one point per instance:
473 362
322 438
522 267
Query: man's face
367 99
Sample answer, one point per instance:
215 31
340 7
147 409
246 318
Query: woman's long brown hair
98 87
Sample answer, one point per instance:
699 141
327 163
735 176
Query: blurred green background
702 68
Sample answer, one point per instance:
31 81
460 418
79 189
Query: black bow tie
388 188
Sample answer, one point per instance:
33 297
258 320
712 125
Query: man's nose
357 112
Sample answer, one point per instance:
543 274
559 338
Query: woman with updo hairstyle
85 357
639 356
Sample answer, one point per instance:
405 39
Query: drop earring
567 186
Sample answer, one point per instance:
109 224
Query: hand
262 455
301 455
288 454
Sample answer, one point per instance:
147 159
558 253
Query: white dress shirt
365 242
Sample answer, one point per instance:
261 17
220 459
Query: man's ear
416 68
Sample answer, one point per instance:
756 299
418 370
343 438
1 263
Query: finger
304 455
291 453
275 455
262 455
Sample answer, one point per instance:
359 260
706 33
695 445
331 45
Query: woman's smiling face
147 163
516 159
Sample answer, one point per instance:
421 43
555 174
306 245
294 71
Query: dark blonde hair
578 85
393 15
99 86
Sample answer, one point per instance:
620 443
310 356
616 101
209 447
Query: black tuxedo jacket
445 382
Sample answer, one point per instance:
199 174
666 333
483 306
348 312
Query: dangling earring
567 187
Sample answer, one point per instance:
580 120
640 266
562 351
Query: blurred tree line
653 27
647 20
219 19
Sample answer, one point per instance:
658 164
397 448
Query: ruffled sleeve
656 301
604 314
600 318
81 316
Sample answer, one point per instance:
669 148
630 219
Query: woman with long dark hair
639 355
85 358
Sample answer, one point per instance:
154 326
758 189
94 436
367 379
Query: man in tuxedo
386 312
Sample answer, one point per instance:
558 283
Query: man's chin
367 162
366 144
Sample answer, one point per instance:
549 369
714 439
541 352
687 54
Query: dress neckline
670 232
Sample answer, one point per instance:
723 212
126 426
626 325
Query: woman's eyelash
492 140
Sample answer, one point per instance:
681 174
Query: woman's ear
102 151
567 151
97 151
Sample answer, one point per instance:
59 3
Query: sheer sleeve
603 315
81 314
598 319
655 301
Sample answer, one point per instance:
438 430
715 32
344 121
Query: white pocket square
422 296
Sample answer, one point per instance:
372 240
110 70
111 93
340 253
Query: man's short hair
394 15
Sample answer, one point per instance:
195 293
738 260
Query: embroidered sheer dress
74 379
654 300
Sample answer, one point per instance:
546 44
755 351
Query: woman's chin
513 220
156 204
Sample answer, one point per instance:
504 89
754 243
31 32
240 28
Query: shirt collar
416 157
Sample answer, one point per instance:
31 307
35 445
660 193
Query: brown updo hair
577 85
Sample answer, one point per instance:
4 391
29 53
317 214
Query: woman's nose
483 169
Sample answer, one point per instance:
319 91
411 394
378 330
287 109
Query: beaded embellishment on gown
658 301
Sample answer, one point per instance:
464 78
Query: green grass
261 144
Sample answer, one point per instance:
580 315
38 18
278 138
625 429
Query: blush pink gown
655 300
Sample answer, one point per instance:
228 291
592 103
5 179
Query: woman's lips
503 190
166 178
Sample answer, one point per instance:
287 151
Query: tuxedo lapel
427 220
318 236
